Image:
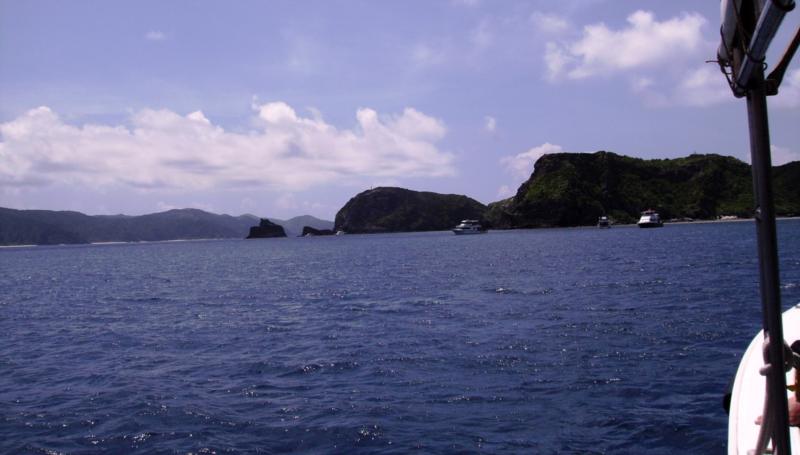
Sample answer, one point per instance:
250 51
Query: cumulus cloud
703 86
645 42
162 149
521 164
697 87
789 92
555 60
154 35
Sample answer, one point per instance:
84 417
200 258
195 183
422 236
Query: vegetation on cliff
388 209
573 189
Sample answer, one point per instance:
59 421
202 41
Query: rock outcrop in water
388 209
294 226
266 229
574 189
310 231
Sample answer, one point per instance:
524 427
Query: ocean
533 341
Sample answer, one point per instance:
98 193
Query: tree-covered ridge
573 189
46 227
387 209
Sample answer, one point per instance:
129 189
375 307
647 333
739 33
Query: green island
565 189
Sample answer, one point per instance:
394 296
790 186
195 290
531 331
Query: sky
283 108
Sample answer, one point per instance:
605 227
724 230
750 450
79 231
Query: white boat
747 396
763 414
603 222
469 227
650 219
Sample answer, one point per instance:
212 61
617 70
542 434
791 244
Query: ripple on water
520 342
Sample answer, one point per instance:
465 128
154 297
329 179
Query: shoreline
731 220
121 242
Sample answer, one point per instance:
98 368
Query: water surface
536 341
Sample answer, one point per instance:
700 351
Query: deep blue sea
533 341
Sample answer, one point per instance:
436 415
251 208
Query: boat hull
747 396
651 225
462 232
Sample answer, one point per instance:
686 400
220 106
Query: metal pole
768 257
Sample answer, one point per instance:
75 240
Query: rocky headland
574 189
389 209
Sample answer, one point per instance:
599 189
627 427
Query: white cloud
556 60
154 35
703 86
645 42
697 87
505 191
162 149
548 23
521 165
490 123
789 92
782 155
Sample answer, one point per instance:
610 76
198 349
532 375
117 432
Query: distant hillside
294 226
786 180
387 209
43 227
573 189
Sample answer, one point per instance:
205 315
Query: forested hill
389 209
573 189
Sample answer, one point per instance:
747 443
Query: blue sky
282 108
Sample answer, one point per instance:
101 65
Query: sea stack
266 229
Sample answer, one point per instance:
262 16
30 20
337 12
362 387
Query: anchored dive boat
760 405
469 227
603 222
650 219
